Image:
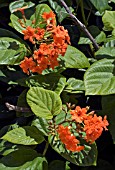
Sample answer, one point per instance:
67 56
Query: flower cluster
70 141
53 42
93 126
88 123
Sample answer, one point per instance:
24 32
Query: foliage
50 76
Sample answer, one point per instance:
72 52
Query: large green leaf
19 157
109 21
86 157
75 58
105 52
99 79
11 51
28 135
44 103
53 81
108 105
101 6
39 163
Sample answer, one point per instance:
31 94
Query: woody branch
78 23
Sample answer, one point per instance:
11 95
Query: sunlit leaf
101 6
105 52
99 79
25 136
11 51
108 21
44 103
75 58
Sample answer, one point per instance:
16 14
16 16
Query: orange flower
60 35
39 33
27 64
48 15
67 138
79 114
29 34
93 126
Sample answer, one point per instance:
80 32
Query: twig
46 148
17 108
78 23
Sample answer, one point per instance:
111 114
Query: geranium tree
57 61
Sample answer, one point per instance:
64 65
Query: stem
82 12
78 23
46 148
89 15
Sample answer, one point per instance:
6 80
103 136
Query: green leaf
19 4
54 82
101 6
99 79
74 85
26 136
101 37
75 58
11 51
108 21
19 157
105 52
39 163
84 40
112 1
57 165
44 103
15 23
40 9
60 117
41 124
110 42
108 105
